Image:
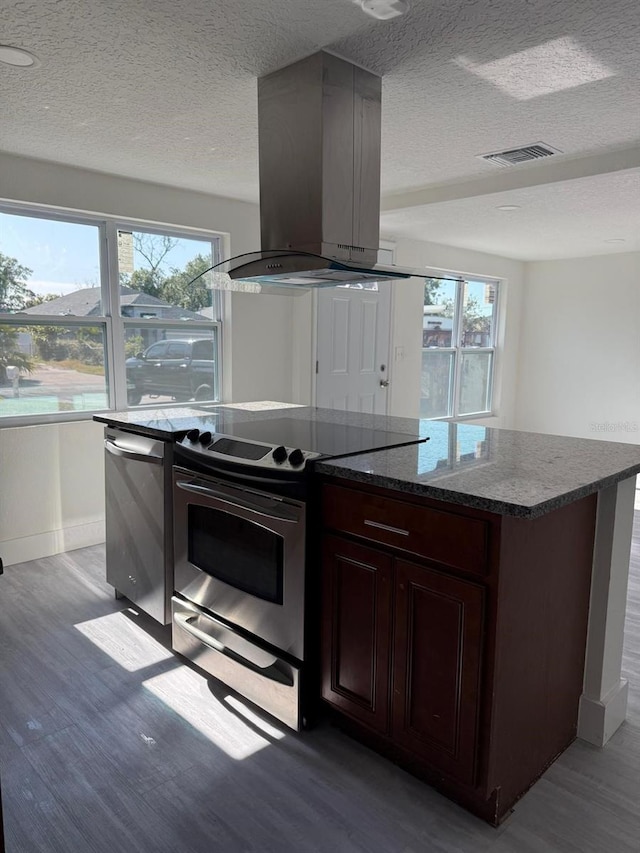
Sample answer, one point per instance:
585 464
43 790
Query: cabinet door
437 653
356 631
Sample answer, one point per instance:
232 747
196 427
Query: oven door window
244 555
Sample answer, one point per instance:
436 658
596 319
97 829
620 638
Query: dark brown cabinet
453 639
378 610
436 672
357 631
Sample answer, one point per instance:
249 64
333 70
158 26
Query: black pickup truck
182 369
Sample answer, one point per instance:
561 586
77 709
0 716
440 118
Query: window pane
478 313
475 382
156 272
167 364
49 267
437 376
438 312
45 369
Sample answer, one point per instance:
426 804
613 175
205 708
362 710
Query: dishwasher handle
130 454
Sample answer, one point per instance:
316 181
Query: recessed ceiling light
16 56
616 240
508 207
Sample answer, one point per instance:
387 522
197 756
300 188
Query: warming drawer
251 670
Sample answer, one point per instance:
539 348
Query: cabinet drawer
445 537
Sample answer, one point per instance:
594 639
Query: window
458 347
97 315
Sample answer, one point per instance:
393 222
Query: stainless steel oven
240 497
240 554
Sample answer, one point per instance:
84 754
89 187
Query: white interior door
353 348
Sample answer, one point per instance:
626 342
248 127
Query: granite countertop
504 471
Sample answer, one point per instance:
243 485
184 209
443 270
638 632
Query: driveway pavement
58 381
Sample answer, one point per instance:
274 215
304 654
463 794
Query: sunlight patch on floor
128 644
228 723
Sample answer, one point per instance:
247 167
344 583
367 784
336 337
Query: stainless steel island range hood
319 149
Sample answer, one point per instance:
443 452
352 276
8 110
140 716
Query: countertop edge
494 505
152 432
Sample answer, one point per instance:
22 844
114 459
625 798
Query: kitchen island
457 596
501 528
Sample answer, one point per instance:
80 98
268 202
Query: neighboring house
134 303
436 328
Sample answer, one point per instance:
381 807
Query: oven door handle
240 503
248 655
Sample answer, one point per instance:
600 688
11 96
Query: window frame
457 350
111 318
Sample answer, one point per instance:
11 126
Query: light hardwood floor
109 743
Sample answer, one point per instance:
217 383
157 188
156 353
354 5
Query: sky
64 256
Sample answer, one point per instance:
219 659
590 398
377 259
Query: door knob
384 383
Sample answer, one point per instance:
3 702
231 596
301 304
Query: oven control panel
244 452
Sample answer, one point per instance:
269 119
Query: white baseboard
52 542
598 719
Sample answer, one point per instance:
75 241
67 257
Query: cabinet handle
386 527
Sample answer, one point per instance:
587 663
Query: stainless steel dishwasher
139 528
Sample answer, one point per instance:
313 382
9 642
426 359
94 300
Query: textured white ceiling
165 90
563 220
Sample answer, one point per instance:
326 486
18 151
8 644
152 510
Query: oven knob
279 454
296 457
205 438
193 434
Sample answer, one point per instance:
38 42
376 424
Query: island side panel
541 631
603 705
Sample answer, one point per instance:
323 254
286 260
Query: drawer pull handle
386 527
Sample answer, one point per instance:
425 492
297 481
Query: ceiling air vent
515 156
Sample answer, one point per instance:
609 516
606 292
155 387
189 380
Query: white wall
38 515
52 489
580 348
408 296
261 345
40 182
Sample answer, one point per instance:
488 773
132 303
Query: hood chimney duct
319 143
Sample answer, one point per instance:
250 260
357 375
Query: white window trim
458 350
113 322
